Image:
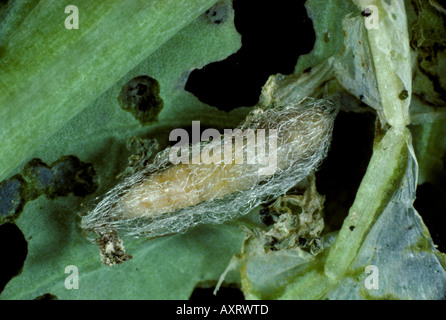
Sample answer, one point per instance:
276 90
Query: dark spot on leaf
70 170
13 253
366 12
39 176
218 13
47 296
352 228
66 175
140 97
11 198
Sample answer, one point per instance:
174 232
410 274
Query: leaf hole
13 254
430 203
344 167
47 296
269 46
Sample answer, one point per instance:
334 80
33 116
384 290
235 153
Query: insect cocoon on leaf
219 180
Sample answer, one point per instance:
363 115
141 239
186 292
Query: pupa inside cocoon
168 197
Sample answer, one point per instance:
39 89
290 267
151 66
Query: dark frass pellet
266 217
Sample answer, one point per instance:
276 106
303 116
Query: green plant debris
299 222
